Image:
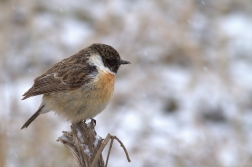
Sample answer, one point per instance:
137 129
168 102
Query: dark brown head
110 56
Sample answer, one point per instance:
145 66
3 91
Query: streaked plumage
78 87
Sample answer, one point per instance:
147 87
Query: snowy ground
186 99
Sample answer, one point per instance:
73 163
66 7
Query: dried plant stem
110 147
87 146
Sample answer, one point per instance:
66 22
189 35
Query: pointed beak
124 62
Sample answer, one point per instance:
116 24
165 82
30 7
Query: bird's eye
111 62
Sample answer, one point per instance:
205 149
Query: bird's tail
33 117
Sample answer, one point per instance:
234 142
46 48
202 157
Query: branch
86 145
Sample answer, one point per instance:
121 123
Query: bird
78 87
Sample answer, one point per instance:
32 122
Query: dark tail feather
33 117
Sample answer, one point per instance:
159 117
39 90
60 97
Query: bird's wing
62 76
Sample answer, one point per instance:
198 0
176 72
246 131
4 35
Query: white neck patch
96 60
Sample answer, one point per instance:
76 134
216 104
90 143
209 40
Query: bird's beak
124 62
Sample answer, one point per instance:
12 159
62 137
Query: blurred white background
185 100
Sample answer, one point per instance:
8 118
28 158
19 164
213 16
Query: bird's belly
85 102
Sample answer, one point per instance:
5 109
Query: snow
237 27
79 135
73 38
63 137
217 80
86 150
97 139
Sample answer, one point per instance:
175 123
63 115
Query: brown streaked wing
70 77
70 73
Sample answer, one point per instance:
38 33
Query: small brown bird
78 87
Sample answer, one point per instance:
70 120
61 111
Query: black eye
111 62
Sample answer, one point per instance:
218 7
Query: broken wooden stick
87 146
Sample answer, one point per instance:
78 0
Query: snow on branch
87 146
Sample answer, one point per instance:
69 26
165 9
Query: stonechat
78 87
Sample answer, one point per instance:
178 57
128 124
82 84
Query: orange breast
105 84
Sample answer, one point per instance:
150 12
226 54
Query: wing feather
70 73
